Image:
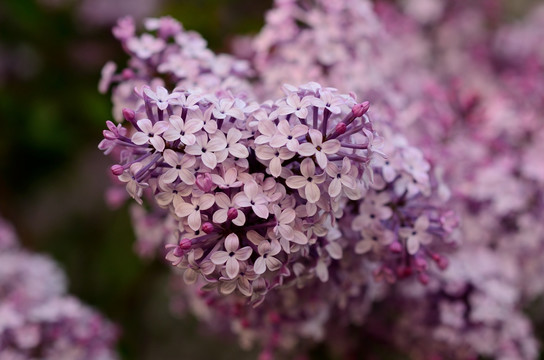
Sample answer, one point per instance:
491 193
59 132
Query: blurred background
53 178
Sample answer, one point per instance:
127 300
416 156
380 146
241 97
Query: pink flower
183 130
416 235
209 150
227 107
374 239
172 193
253 196
275 156
267 250
319 148
233 147
295 105
145 46
267 129
180 167
150 133
309 181
340 178
225 204
206 267
229 180
288 136
192 211
161 96
232 256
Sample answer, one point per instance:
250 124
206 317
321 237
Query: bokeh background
53 178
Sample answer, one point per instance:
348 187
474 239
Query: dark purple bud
232 213
204 182
129 115
207 227
117 169
360 109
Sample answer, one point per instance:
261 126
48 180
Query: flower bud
128 114
360 109
117 169
204 182
340 128
207 227
395 247
232 213
423 278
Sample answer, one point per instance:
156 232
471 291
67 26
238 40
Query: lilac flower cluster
257 193
37 319
168 56
295 206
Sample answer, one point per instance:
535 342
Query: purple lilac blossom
37 319
257 199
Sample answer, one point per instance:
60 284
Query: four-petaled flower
319 148
180 165
211 151
232 256
267 250
254 198
182 130
309 181
288 136
340 178
275 156
416 235
150 133
192 210
225 204
161 96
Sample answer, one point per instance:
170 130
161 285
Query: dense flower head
167 55
38 319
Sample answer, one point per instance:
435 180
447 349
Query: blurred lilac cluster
38 320
435 179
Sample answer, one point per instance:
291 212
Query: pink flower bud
340 128
128 114
127 74
360 109
204 182
232 214
423 278
266 355
207 227
421 263
395 247
117 169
